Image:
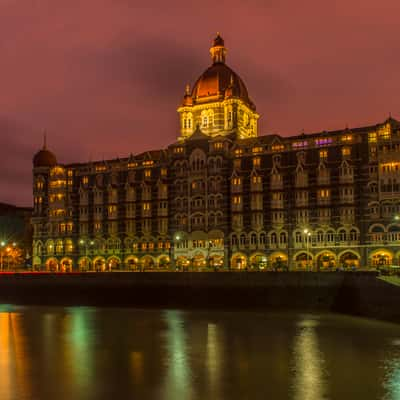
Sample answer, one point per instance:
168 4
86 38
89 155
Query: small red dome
44 158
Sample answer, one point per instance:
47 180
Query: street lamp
308 234
2 244
177 239
8 249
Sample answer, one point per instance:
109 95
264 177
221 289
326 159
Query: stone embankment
356 293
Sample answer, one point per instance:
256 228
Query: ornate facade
222 196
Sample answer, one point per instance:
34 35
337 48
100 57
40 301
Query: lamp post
307 237
8 250
177 239
2 244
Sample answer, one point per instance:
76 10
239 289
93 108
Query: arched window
253 239
342 235
262 238
282 238
242 239
273 238
330 236
234 240
353 235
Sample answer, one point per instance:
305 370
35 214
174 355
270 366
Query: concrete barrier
357 293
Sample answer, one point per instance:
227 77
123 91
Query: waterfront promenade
356 293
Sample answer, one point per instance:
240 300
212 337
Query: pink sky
104 77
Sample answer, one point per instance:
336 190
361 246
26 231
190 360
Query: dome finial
218 50
44 140
187 89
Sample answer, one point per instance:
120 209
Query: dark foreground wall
358 293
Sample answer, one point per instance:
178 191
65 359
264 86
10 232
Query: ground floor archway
52 264
132 263
199 261
239 261
216 261
113 263
303 260
381 258
326 260
349 259
278 260
147 262
182 262
66 265
258 261
99 264
163 262
85 264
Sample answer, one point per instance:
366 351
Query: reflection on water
88 353
309 374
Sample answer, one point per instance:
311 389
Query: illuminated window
237 199
218 146
323 141
278 147
147 173
178 150
323 154
257 149
256 179
100 168
300 144
256 162
132 165
384 132
346 151
85 180
323 193
146 163
163 172
146 206
112 209
372 137
70 172
237 181
238 152
347 138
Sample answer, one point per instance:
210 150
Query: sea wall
358 293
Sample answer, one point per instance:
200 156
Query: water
90 353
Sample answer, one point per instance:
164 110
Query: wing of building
223 196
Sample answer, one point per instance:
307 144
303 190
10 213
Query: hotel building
224 196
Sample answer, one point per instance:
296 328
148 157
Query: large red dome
215 81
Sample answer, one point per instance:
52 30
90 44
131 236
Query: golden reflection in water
213 359
137 366
14 366
309 375
177 383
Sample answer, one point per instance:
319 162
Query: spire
44 140
187 90
218 50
